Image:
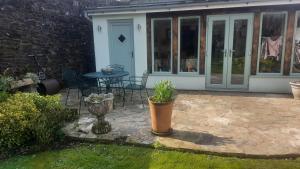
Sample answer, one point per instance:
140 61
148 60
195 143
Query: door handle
132 54
231 51
224 53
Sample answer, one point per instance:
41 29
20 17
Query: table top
101 75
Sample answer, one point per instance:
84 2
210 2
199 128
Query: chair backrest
70 77
117 67
144 79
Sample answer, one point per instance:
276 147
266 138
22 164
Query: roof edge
139 9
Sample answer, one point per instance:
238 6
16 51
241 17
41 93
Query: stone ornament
99 105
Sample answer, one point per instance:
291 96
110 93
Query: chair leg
79 109
78 92
68 92
142 98
147 92
131 95
124 93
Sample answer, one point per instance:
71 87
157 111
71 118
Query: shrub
163 92
5 82
28 118
3 96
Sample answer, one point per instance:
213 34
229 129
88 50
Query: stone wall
56 31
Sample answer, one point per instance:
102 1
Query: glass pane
239 51
296 58
162 45
217 52
189 29
272 36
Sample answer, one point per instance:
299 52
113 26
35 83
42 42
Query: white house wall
102 45
184 82
264 84
278 84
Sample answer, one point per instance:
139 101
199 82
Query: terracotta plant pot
296 89
161 115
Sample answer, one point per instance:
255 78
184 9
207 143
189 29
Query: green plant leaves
163 92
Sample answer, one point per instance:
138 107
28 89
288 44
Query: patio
222 122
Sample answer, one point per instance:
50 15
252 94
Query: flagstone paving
223 122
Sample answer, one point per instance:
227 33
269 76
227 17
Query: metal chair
137 83
87 86
70 80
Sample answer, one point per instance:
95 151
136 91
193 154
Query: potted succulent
161 107
295 89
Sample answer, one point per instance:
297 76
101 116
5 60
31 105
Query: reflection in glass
162 45
189 29
271 46
217 53
296 57
238 51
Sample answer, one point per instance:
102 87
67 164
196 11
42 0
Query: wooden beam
202 48
256 32
149 48
289 42
175 44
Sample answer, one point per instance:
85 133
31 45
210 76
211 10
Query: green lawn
121 157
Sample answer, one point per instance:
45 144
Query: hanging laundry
272 47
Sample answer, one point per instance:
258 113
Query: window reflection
271 46
162 45
296 57
189 34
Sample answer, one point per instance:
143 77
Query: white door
229 44
121 47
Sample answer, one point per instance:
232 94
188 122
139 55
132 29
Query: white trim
198 43
152 45
190 7
283 46
293 46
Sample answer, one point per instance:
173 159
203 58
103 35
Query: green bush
3 96
5 82
28 118
163 92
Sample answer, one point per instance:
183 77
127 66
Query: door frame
210 20
229 29
122 22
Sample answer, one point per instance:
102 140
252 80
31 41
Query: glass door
228 51
239 51
217 51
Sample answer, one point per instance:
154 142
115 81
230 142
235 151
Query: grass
124 157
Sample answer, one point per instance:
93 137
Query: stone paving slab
222 122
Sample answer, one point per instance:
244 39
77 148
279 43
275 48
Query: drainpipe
87 16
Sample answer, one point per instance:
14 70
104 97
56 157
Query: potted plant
161 107
295 89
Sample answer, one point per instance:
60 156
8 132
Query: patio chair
137 83
70 80
117 83
86 87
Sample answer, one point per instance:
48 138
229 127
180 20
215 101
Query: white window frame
198 43
283 46
152 45
293 46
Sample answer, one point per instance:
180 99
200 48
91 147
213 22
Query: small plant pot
296 89
161 115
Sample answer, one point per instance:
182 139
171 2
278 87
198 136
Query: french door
229 44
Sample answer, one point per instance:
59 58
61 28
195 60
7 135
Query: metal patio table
107 78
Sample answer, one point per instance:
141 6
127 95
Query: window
296 45
188 44
272 38
161 45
